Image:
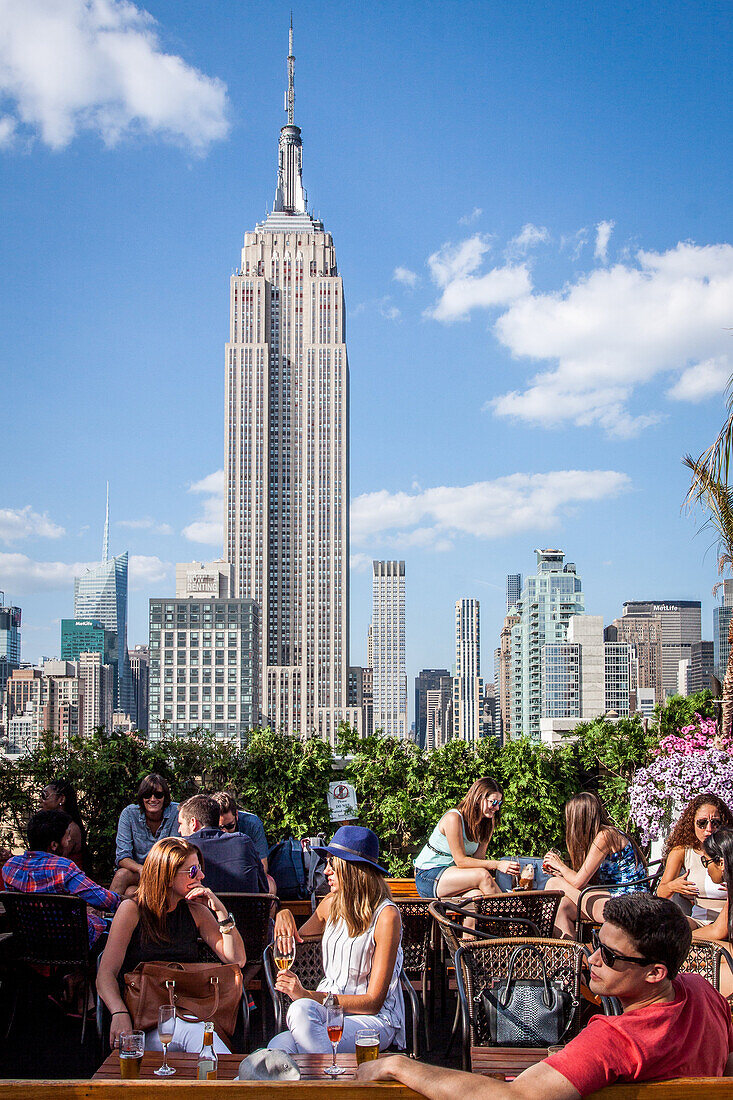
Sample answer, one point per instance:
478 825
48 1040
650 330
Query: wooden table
311 1066
503 1062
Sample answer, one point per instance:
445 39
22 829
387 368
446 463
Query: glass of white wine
284 952
166 1027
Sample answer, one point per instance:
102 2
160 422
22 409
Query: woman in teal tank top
453 862
599 853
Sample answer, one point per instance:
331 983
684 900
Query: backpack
297 869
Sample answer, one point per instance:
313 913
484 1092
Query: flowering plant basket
686 764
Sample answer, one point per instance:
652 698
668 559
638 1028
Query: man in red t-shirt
670 1027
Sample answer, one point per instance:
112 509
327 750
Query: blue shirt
231 862
251 825
134 838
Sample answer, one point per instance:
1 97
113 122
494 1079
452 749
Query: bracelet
122 1012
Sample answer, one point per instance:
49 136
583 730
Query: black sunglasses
715 822
611 957
707 860
153 794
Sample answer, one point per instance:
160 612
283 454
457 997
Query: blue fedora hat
354 844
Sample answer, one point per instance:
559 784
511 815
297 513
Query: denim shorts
426 880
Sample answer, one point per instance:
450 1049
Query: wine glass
335 1029
284 952
166 1027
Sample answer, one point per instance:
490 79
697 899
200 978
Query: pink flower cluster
694 739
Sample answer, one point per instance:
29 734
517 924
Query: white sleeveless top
347 963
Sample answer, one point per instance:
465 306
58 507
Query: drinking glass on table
367 1045
132 1045
166 1027
284 952
335 1029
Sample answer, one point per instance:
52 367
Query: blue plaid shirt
42 873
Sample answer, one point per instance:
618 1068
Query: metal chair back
705 958
48 929
251 914
481 963
648 882
538 906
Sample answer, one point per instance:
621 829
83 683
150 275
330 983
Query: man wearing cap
362 952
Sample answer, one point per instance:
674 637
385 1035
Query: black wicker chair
48 930
479 963
418 947
308 965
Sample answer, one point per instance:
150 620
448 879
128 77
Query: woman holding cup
362 953
453 861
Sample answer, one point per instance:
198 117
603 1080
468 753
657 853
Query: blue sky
531 210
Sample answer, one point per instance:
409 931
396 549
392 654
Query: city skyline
572 192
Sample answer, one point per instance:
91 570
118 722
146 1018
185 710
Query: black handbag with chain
531 1012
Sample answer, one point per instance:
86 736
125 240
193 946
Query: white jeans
187 1036
307 1033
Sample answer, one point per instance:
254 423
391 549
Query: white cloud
146 524
618 328
701 380
69 66
7 131
20 572
146 571
389 311
359 563
209 527
603 236
486 509
453 268
528 237
23 523
405 276
575 242
467 219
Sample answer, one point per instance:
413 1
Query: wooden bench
403 887
691 1088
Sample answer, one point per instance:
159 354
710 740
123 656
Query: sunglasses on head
153 794
611 957
714 822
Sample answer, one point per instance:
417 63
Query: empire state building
287 460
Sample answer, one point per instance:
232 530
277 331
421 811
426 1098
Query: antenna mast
291 78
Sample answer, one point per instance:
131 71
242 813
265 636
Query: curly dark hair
683 831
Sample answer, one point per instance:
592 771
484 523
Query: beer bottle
208 1063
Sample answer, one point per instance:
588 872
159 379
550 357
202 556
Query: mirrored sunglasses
191 872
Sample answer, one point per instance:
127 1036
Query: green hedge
402 791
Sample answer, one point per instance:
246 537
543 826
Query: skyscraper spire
291 78
105 544
290 196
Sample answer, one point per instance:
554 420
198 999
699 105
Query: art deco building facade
287 478
388 648
468 686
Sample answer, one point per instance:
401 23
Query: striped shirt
347 964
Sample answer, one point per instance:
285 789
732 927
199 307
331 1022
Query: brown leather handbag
199 991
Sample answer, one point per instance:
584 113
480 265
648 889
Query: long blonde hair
162 863
361 891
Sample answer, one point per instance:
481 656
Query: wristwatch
227 922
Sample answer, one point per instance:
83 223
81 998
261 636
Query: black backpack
297 869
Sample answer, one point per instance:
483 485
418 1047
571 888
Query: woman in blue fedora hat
362 952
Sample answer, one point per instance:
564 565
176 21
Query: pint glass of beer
367 1045
132 1045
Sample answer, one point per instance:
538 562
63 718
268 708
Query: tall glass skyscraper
548 600
721 625
101 593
